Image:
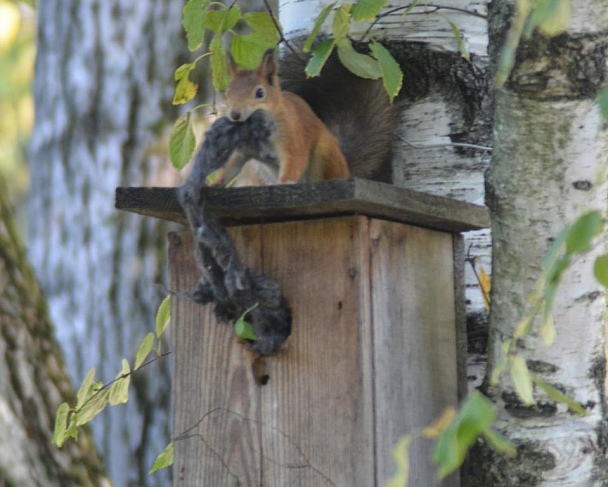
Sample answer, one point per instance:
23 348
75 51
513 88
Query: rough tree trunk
33 380
548 167
103 93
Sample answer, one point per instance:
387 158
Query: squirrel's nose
235 115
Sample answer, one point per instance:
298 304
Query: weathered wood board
238 206
372 357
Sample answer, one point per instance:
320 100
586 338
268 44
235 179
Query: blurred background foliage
17 55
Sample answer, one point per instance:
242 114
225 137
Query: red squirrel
356 140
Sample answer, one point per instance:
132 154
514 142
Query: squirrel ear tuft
268 68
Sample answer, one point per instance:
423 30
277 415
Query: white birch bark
548 167
103 93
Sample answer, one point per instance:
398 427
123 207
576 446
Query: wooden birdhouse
374 278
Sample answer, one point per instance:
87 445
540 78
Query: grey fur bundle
224 280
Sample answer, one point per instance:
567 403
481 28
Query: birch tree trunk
33 380
103 93
548 167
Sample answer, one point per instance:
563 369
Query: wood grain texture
371 357
238 206
414 339
312 424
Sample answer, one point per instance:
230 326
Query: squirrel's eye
259 93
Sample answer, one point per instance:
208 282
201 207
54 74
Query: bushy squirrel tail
356 110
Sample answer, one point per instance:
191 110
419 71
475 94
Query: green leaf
163 316
144 350
92 407
501 363
462 47
192 20
119 390
244 331
402 460
85 388
499 442
317 27
582 232
222 20
367 9
524 326
557 21
507 54
181 142
556 249
341 23
219 65
72 431
263 25
392 76
600 269
61 424
243 328
551 17
474 417
554 274
319 57
164 459
602 101
522 380
547 327
248 50
185 89
558 396
362 65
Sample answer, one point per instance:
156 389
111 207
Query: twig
280 31
424 12
451 144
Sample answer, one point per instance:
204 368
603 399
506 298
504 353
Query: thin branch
123 376
451 144
280 31
436 8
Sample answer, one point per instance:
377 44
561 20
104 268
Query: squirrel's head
251 90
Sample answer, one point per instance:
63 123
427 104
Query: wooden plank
321 383
312 425
414 339
214 396
237 206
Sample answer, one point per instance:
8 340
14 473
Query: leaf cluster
454 433
93 396
249 34
575 239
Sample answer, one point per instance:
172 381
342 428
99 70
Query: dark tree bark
33 380
103 91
